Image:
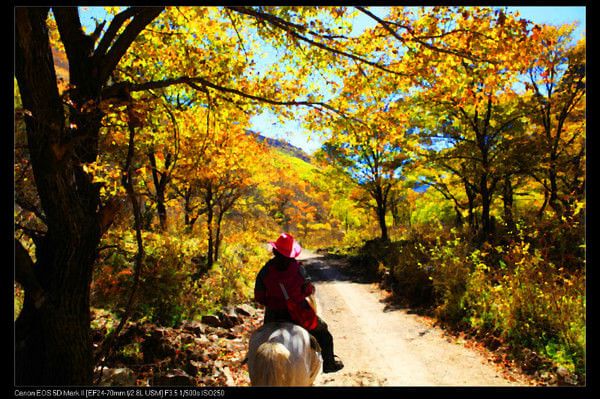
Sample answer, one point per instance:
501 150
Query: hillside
283 146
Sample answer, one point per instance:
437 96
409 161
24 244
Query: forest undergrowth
522 296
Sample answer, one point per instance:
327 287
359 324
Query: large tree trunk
161 209
53 344
52 337
382 223
53 341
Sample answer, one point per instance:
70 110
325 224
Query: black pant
320 332
325 340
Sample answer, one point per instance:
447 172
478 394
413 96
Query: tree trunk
382 223
553 198
346 224
395 213
218 235
52 339
187 216
161 210
53 344
485 206
381 210
542 210
471 205
209 227
458 219
160 181
507 198
147 214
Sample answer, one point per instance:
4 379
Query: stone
157 346
245 310
229 318
175 377
193 367
117 377
186 338
212 320
229 380
565 377
194 327
531 361
562 372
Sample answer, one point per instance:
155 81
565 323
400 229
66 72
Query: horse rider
284 268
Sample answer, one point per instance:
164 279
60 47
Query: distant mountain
282 145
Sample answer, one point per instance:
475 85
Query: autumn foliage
453 145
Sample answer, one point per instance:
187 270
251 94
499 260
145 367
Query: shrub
374 258
167 265
406 261
411 273
450 266
531 303
174 285
231 280
514 289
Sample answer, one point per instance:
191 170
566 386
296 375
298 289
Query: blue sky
553 15
292 131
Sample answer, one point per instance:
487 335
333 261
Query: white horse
283 354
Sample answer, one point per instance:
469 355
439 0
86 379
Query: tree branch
127 181
386 26
111 32
71 33
142 16
292 29
237 33
193 82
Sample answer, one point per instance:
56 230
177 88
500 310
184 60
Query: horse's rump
280 354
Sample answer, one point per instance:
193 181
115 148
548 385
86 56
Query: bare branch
71 32
112 30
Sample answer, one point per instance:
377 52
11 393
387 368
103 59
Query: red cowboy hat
287 246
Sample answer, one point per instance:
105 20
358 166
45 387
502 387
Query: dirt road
390 347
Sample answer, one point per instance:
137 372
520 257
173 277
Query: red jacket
268 292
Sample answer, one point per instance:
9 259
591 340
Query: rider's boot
332 365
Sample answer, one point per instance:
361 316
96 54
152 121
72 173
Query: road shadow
326 268
329 268
393 302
